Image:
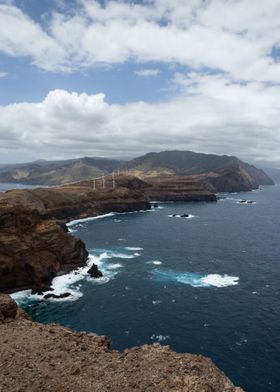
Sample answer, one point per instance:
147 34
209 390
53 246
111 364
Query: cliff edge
37 357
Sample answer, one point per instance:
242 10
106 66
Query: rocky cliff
230 179
219 173
178 188
33 250
36 357
34 243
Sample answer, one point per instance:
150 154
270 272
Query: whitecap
92 218
116 254
133 248
194 279
156 302
114 266
220 280
159 338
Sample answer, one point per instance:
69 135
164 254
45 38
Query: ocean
5 186
207 284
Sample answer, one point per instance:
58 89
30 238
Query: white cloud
20 36
147 72
3 74
210 115
229 103
236 37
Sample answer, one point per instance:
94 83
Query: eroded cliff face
36 357
230 179
34 243
33 250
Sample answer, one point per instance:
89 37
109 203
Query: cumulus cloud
209 115
227 100
21 36
147 72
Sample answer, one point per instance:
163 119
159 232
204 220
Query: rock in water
94 272
185 216
63 295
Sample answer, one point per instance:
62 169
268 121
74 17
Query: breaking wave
194 279
72 282
92 218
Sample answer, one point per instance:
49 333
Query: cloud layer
216 117
237 37
226 98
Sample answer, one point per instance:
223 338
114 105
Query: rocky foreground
36 358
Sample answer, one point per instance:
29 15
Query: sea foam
92 218
194 279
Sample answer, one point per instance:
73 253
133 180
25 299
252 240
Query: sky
122 78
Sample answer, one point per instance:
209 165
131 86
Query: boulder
51 295
94 272
8 307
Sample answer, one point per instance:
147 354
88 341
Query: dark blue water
187 301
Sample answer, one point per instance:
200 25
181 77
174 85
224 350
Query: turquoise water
206 284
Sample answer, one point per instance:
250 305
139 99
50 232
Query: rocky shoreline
35 244
37 357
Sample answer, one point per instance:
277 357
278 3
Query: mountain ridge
204 168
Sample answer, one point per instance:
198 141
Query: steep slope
37 357
58 172
33 250
34 244
218 173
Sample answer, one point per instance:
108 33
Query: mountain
273 172
58 172
218 173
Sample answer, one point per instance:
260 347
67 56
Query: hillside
218 173
189 163
57 172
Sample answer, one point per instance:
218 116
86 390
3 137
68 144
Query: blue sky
121 78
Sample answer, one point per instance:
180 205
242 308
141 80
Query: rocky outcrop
36 357
229 179
34 243
33 250
177 188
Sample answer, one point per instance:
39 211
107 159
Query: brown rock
36 357
8 307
